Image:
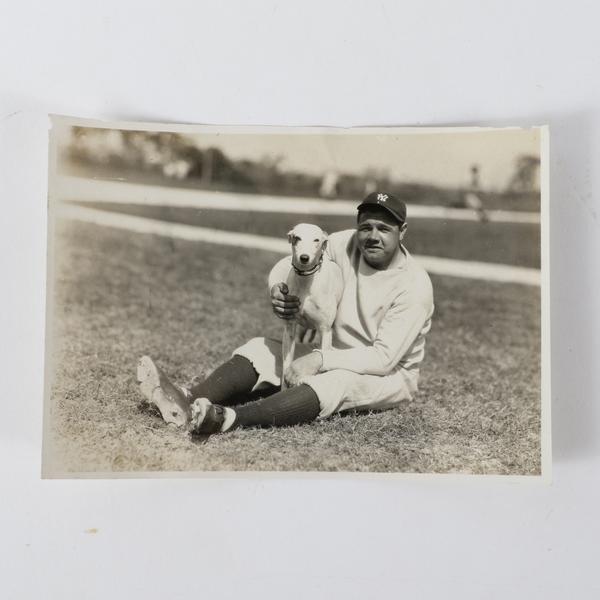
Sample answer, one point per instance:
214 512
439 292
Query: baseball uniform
378 334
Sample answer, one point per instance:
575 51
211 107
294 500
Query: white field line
438 266
89 190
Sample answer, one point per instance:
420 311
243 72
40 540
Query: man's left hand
303 367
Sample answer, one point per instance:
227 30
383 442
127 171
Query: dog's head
308 245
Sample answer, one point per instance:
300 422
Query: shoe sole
149 379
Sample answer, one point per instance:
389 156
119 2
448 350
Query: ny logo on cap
382 197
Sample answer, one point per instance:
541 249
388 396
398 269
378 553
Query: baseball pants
338 390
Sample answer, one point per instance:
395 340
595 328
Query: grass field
506 243
119 295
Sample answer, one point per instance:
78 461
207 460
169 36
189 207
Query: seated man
378 341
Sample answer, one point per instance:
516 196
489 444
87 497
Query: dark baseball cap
393 205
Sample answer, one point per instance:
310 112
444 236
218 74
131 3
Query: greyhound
318 283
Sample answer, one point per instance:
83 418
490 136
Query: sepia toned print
296 300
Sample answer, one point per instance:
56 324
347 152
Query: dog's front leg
288 347
326 339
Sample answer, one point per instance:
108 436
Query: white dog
318 283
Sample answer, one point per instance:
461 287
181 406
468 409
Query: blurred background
461 170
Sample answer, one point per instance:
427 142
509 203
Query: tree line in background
174 159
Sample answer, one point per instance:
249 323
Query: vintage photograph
247 299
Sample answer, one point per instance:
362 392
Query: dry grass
120 295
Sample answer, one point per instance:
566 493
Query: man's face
379 236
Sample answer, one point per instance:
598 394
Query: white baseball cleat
208 418
158 390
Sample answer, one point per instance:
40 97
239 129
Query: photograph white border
59 123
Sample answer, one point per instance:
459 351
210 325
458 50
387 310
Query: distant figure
329 185
474 177
472 197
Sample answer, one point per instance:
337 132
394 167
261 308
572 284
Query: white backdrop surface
302 63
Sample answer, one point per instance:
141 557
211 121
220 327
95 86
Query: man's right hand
285 306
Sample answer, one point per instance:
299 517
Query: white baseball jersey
383 315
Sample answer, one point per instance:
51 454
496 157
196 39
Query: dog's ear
290 235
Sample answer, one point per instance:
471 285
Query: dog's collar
312 271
